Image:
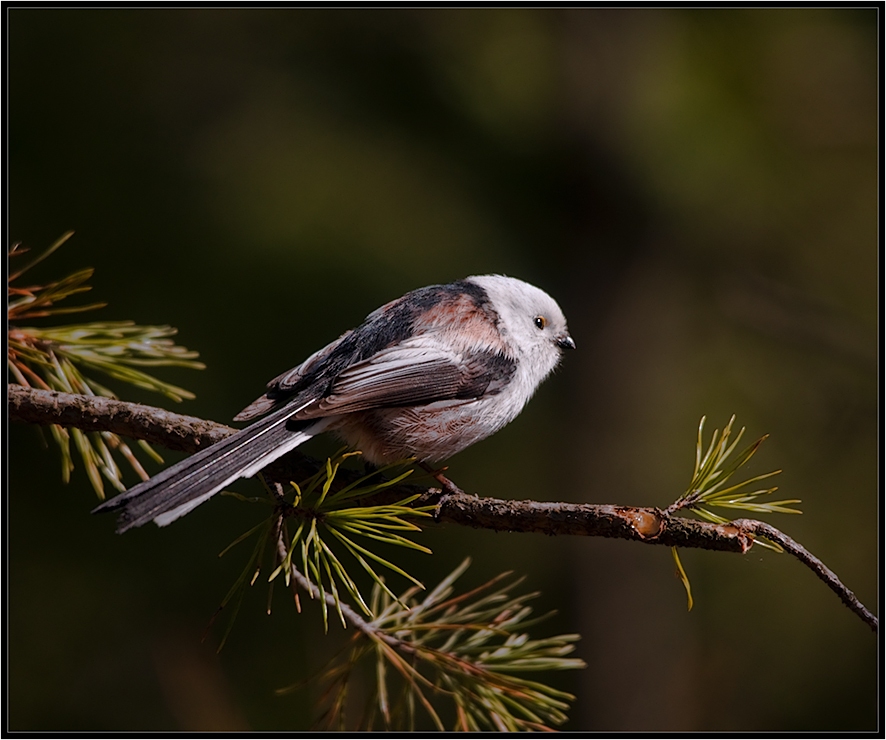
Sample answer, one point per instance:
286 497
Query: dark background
697 188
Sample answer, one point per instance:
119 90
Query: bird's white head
531 323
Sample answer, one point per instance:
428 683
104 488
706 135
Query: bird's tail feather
174 492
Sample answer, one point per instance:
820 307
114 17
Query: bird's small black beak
564 341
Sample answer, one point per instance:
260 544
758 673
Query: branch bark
639 524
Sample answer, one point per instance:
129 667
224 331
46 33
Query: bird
424 376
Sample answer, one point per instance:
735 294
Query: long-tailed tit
423 376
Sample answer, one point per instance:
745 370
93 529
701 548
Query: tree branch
640 524
762 529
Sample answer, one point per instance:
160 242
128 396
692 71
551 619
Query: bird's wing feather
409 374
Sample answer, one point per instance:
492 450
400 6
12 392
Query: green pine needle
681 572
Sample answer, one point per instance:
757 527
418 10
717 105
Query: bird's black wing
412 373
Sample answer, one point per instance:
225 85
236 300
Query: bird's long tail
182 487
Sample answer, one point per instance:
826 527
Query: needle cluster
65 358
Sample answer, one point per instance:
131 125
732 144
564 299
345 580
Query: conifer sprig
457 659
64 358
713 469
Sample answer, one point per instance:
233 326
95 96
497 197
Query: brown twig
762 529
101 414
649 525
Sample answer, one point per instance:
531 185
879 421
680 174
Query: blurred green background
698 189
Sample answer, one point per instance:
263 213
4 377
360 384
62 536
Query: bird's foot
448 486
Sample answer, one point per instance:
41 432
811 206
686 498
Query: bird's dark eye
540 321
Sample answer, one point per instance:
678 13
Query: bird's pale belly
429 433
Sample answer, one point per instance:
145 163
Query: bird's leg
448 486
